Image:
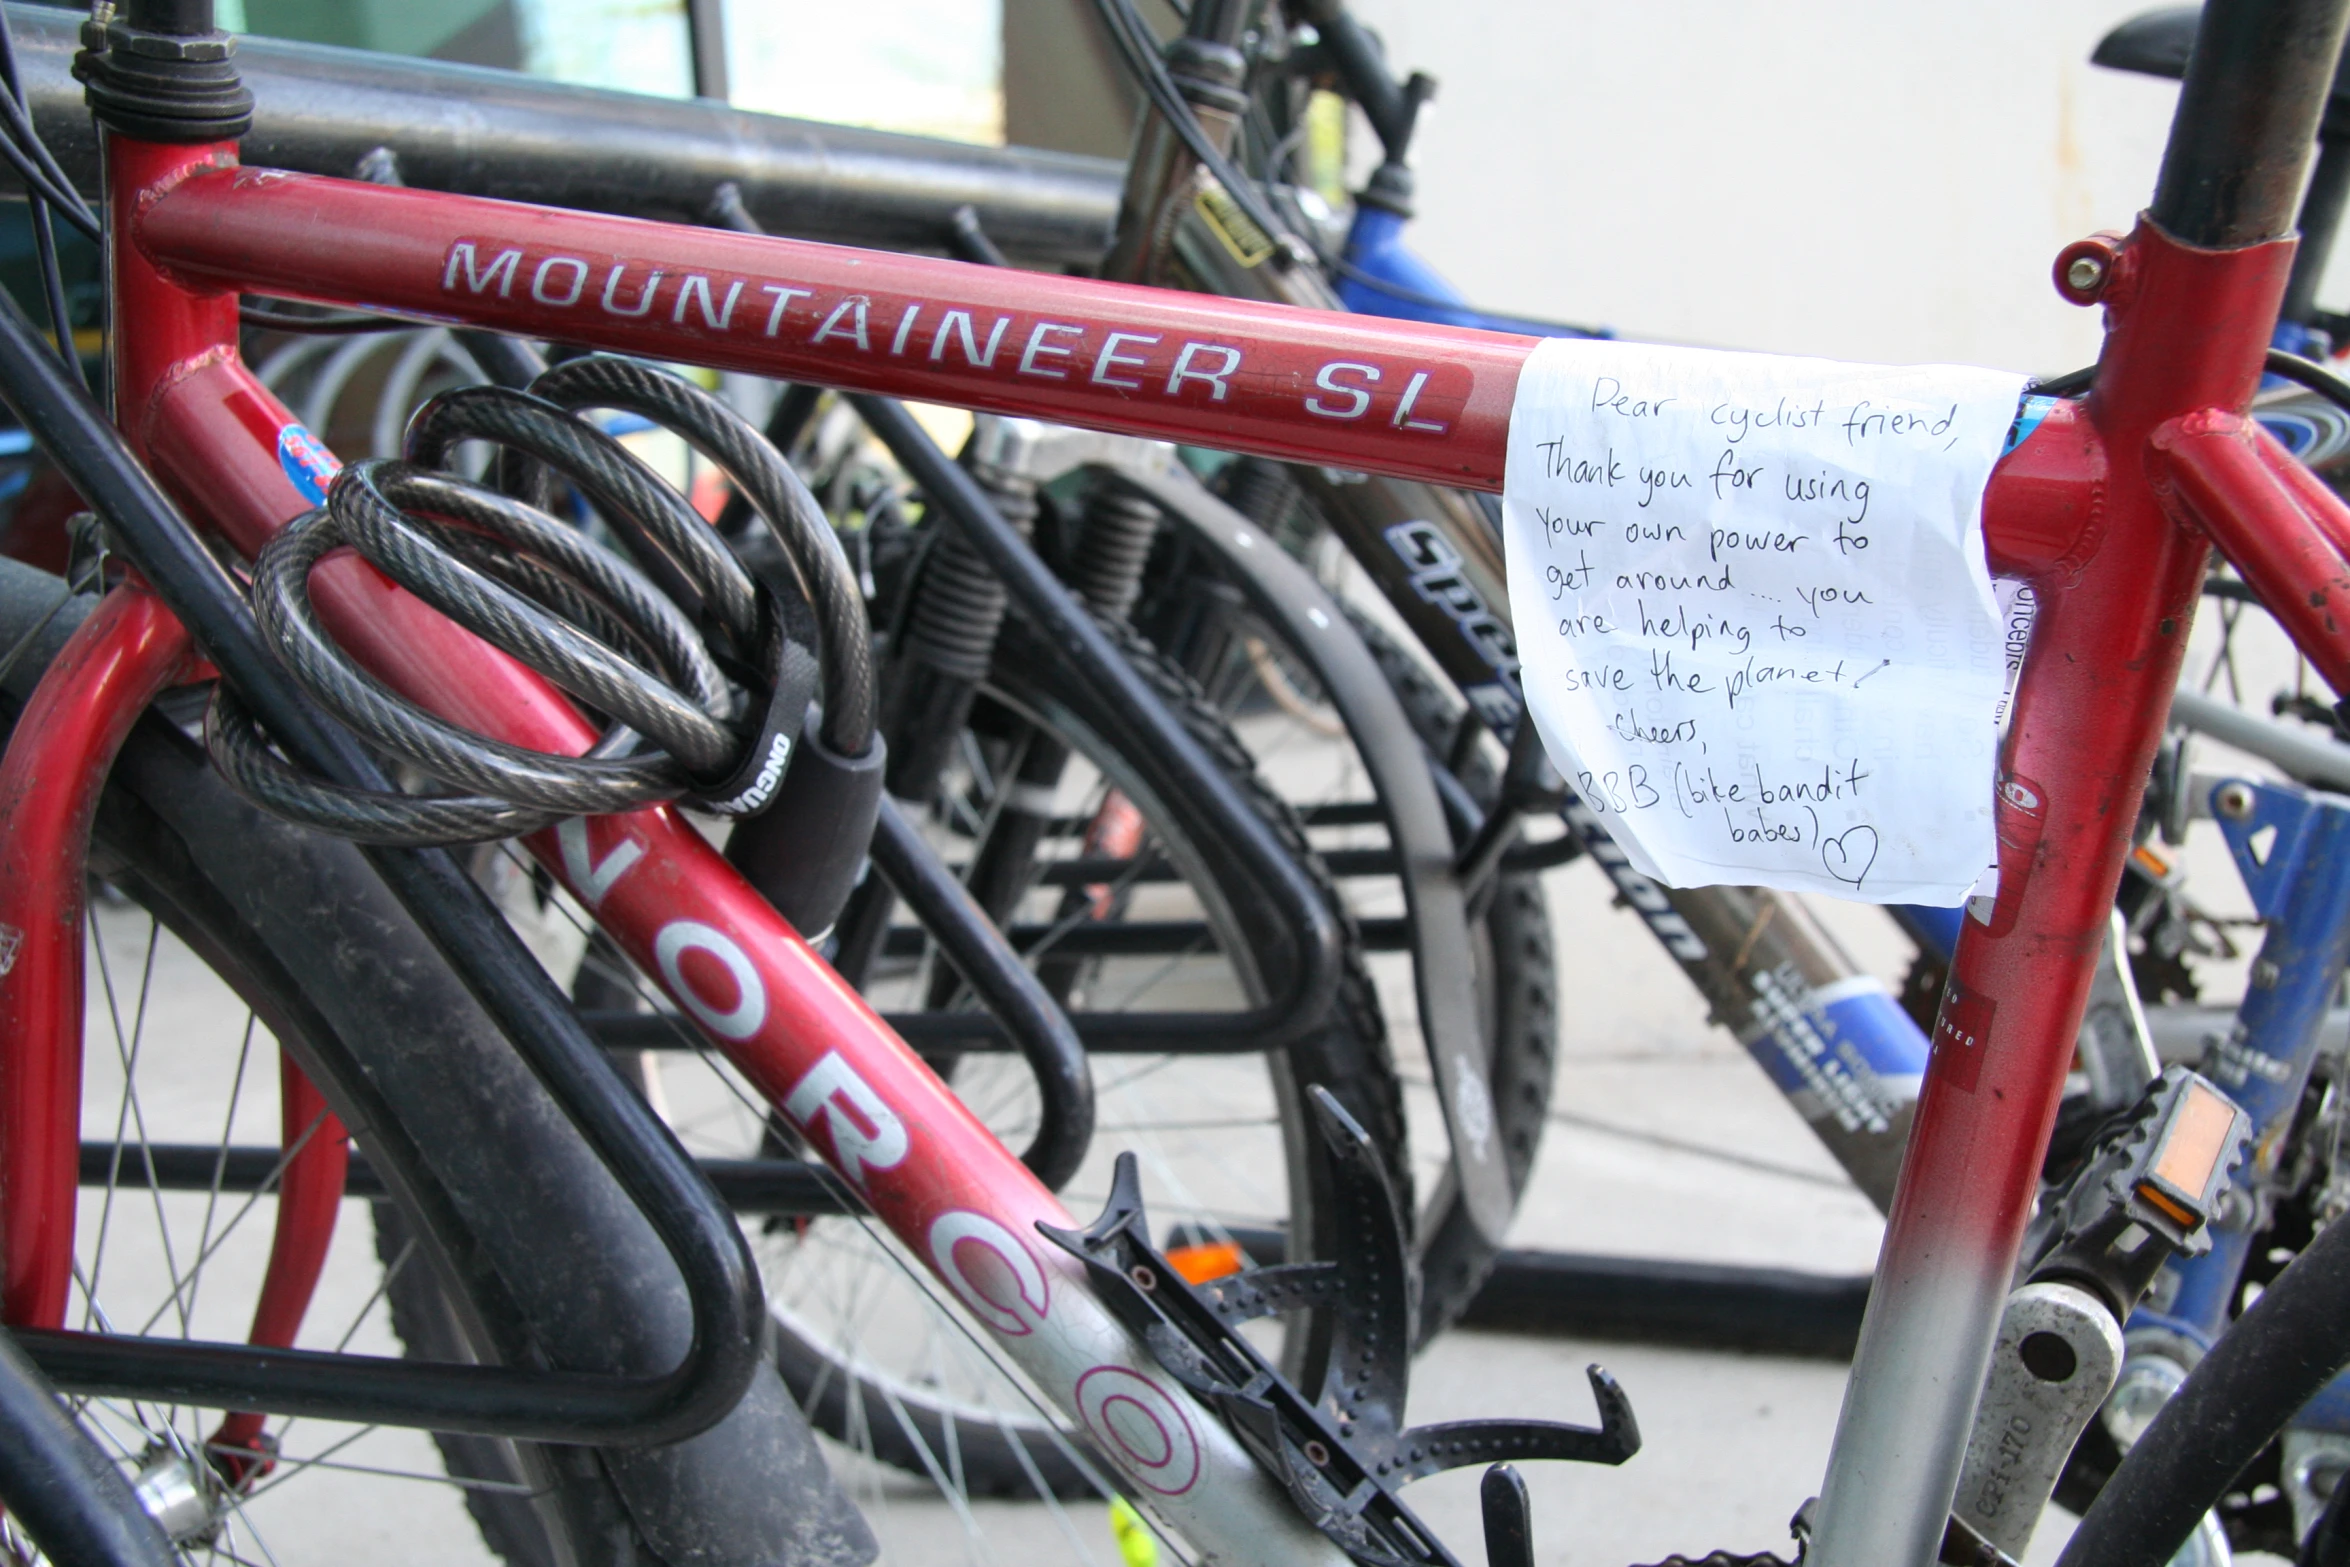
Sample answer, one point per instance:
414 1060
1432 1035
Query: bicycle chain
1726 1559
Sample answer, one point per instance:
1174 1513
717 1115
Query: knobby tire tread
1523 979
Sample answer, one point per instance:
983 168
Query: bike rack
795 1188
321 110
60 1488
1299 946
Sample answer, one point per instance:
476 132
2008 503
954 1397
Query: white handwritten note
1759 635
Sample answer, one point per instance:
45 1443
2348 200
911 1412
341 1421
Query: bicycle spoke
1155 978
236 1507
382 1288
131 1115
267 1187
955 1495
324 1460
228 1123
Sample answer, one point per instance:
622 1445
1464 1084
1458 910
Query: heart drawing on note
1849 857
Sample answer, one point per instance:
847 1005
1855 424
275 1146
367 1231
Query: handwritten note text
1759 637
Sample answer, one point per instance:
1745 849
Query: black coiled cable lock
702 662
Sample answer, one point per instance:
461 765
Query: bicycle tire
1348 1056
1520 985
213 871
1511 941
131 851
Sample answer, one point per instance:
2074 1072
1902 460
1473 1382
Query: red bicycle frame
2106 509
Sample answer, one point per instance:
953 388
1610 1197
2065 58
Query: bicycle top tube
1352 392
1347 392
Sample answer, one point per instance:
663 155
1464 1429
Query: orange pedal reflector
2187 1164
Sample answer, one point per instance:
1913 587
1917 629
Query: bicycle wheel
1517 983
223 937
169 948
1272 703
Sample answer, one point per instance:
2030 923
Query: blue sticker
309 466
2028 415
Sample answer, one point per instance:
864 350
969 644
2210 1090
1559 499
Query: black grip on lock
806 852
755 782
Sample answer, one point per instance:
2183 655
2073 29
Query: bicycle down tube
2073 509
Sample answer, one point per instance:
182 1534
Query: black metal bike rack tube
710 1252
59 1487
1421 847
319 110
750 1186
1018 999
946 1033
1299 952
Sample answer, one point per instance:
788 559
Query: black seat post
2321 208
2239 142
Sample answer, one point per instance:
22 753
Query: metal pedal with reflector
2147 1191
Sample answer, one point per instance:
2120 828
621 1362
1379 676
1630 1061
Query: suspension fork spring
1106 569
951 632
1264 492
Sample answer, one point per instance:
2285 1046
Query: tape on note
1758 632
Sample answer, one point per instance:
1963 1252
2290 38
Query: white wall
1852 178
933 67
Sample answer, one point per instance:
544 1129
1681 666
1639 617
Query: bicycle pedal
2147 1191
1340 1455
